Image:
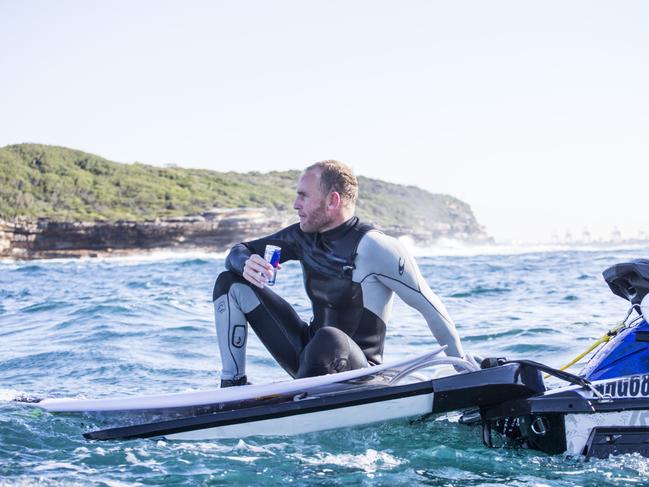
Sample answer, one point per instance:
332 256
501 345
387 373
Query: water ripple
478 291
44 306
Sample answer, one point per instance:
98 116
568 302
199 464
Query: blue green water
98 328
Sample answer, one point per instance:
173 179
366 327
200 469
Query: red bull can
272 254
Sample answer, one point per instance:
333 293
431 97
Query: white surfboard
216 396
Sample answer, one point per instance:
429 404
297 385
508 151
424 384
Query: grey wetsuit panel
384 267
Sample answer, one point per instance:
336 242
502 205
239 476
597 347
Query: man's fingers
256 270
259 264
255 278
259 269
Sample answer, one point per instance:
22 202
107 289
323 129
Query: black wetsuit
350 273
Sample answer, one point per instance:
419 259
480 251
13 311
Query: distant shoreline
28 239
441 249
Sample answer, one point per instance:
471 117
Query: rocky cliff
56 201
215 230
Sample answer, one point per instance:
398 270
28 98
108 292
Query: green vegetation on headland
64 184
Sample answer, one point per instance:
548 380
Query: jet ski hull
575 421
293 416
348 405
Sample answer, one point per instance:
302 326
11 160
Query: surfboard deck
228 395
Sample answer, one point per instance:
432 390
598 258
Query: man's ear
333 200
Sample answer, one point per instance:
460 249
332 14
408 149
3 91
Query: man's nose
296 204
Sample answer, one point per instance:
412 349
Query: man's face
310 203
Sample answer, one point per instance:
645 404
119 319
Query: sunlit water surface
96 328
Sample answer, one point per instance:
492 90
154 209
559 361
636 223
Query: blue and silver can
272 255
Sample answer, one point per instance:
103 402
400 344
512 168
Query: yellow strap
610 334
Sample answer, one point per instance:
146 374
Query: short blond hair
338 177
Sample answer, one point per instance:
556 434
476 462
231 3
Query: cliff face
215 230
457 223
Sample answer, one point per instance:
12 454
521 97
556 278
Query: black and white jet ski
604 410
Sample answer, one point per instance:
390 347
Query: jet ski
605 411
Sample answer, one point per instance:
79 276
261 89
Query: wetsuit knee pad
330 351
223 283
273 319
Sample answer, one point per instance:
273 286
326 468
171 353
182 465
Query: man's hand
256 270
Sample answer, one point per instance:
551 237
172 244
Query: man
351 272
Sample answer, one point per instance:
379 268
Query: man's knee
223 283
328 337
329 351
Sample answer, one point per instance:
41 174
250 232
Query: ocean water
103 327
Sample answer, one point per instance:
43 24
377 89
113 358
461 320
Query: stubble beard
317 221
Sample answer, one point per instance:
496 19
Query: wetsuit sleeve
285 239
383 261
236 258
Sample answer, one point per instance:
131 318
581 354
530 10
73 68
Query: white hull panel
351 416
579 426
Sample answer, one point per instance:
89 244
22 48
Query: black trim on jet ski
605 441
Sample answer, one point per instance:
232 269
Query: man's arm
237 257
247 258
386 260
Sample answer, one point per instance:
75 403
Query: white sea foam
40 482
204 447
228 451
197 447
53 465
7 395
243 459
243 446
442 248
117 483
160 255
132 458
452 248
132 257
369 462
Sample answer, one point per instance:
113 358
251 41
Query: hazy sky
534 113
